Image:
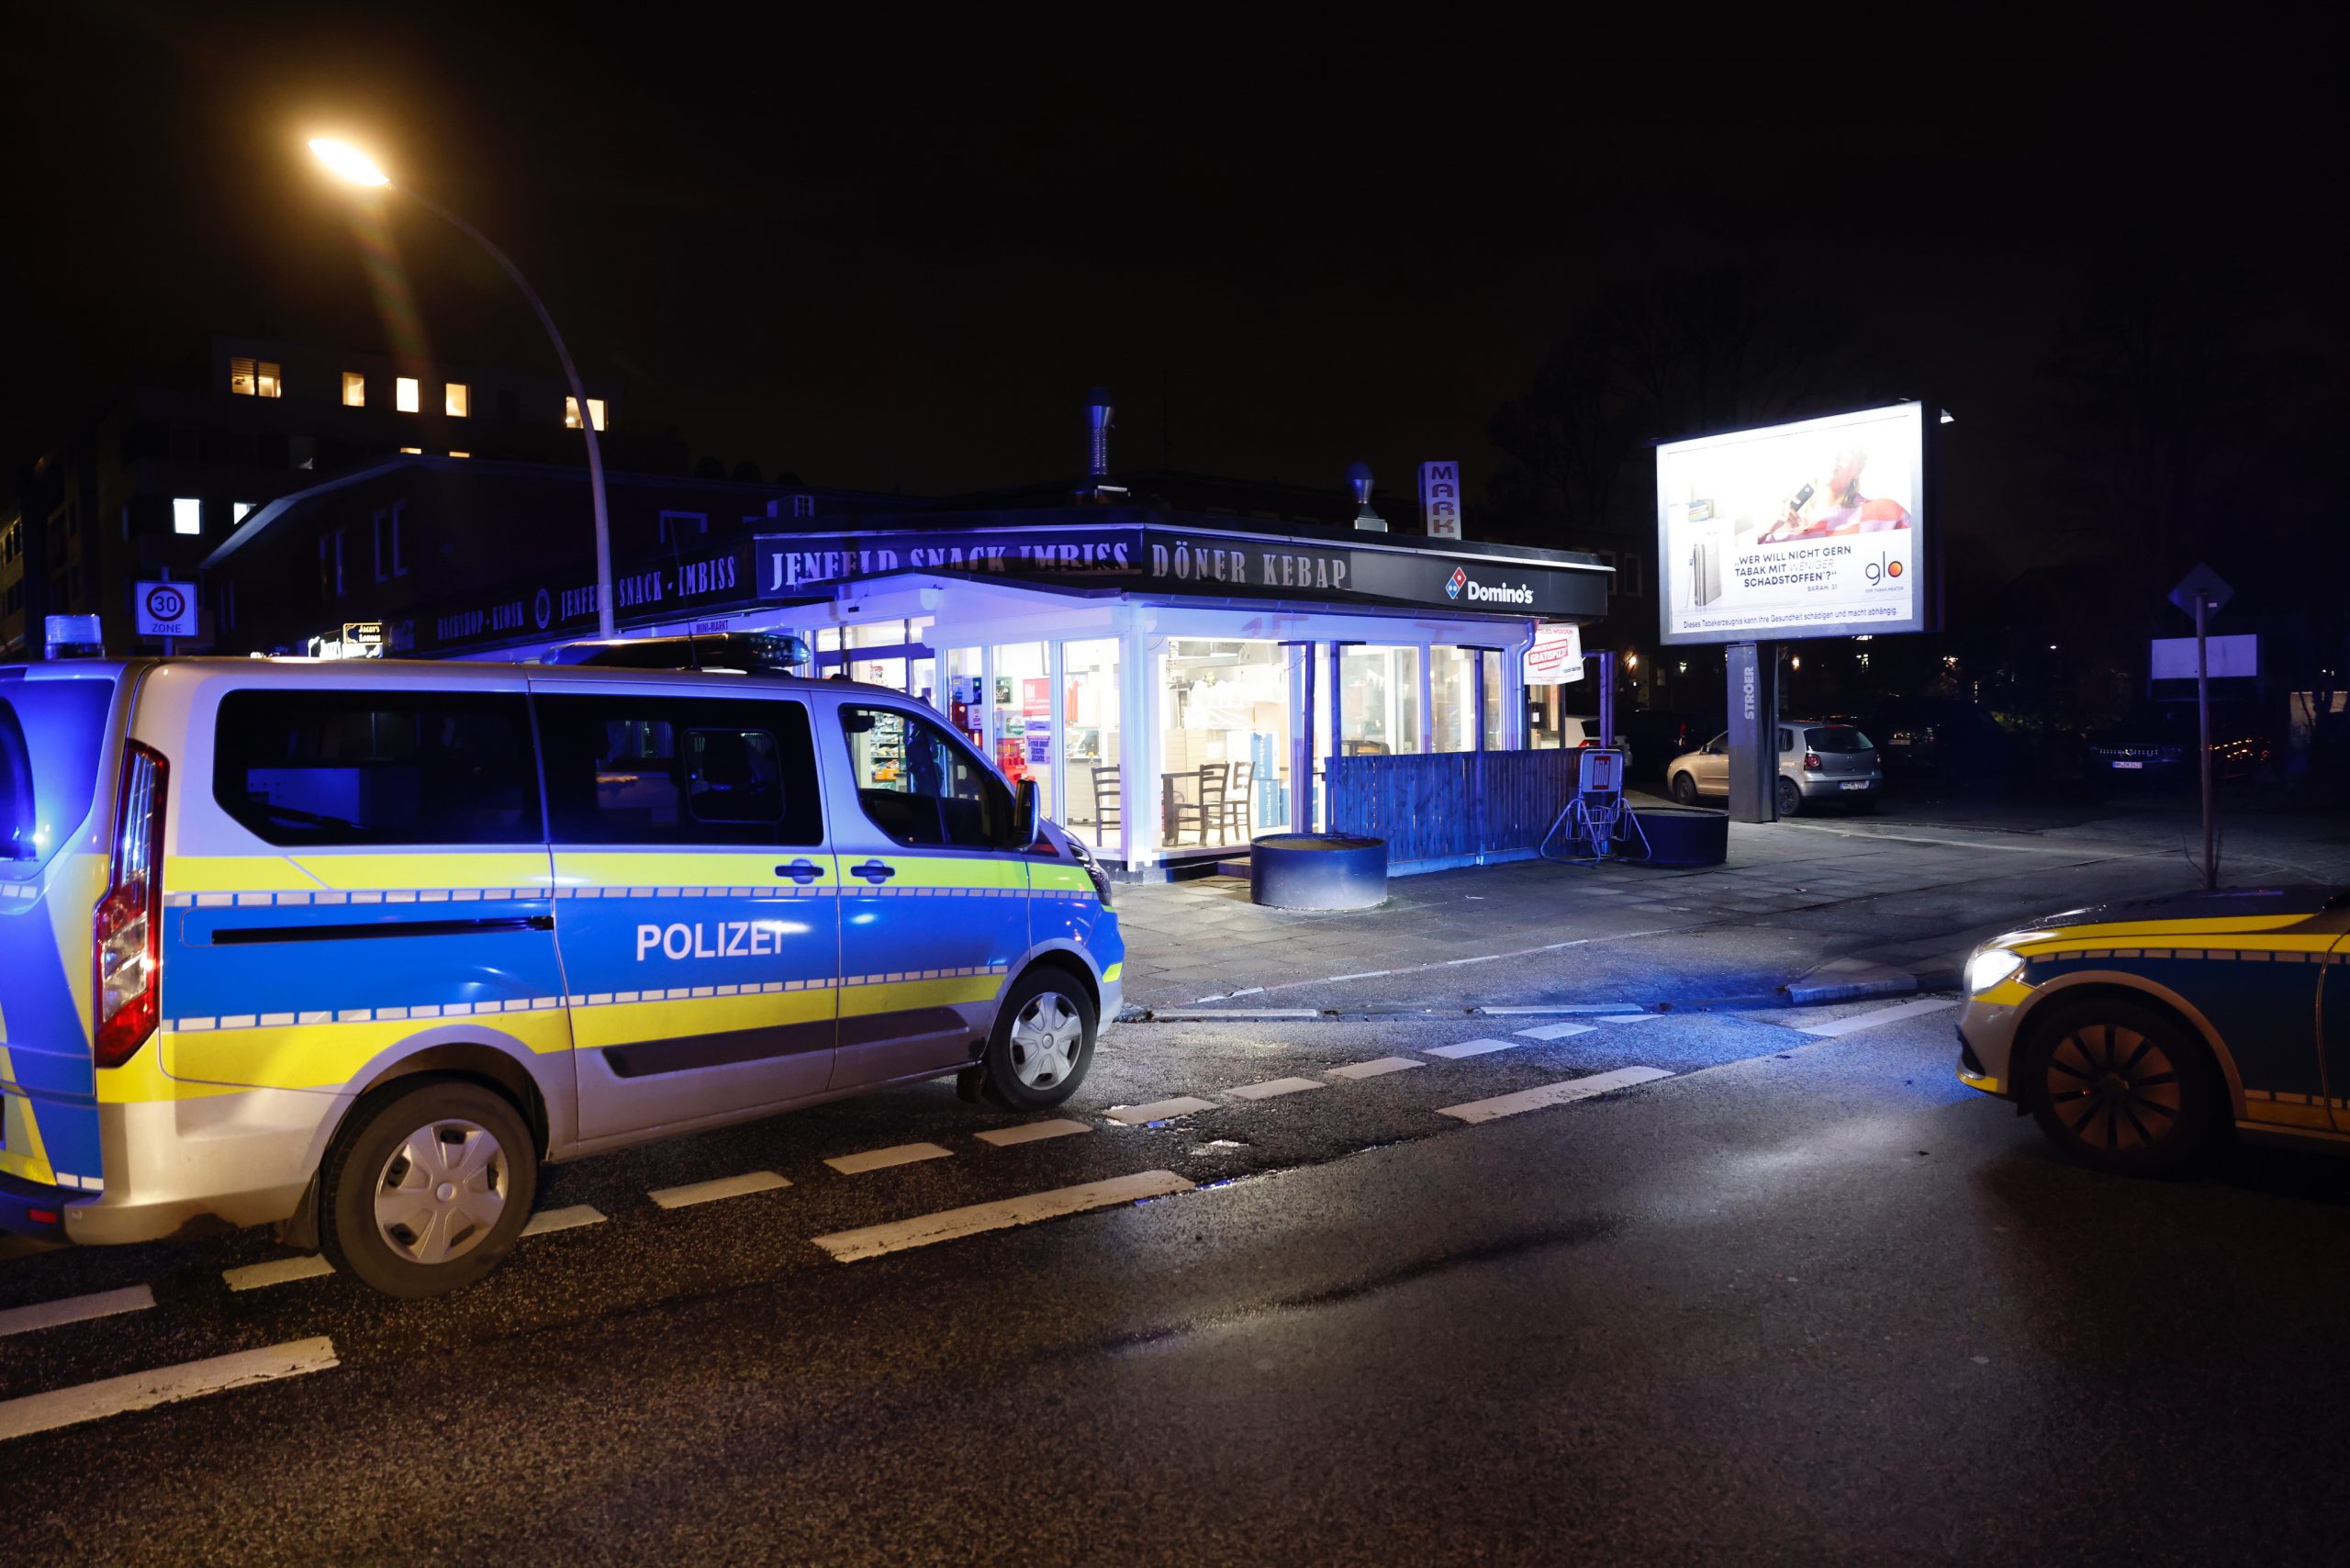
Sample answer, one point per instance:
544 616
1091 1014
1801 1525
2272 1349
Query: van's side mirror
1027 814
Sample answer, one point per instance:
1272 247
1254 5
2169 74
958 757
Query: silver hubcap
1046 1038
441 1191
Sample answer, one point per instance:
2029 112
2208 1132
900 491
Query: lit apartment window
571 412
253 378
461 455
239 510
413 451
405 396
187 515
354 389
456 400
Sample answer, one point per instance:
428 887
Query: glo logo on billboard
1455 583
1882 570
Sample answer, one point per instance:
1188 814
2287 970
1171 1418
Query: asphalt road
1805 1300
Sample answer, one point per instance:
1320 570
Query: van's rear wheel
428 1188
1043 1041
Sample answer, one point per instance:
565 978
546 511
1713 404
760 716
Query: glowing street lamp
350 163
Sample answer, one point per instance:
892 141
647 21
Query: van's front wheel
428 1189
1043 1041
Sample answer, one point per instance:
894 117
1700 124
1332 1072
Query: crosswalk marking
1472 1049
949 1224
546 1222
1031 1132
144 1391
1848 1025
1549 1094
277 1271
693 1192
1274 1087
882 1159
1554 1031
1376 1069
75 1309
1159 1110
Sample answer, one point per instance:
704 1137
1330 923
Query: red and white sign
1556 657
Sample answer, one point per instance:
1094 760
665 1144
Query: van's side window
628 769
309 767
921 787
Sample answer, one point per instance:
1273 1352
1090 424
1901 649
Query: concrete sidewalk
1887 904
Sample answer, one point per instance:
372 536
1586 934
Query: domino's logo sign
1455 583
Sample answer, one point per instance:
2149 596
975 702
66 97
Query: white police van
355 947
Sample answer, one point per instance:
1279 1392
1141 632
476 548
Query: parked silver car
1818 762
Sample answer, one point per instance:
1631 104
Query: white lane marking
1845 1025
546 1222
1274 1087
1552 1095
75 1309
882 1159
1376 1069
949 1225
1159 1110
277 1271
1472 1049
1554 1032
1630 1018
693 1192
144 1391
1032 1132
1367 974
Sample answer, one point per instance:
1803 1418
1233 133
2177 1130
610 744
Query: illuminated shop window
405 397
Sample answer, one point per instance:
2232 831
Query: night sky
895 252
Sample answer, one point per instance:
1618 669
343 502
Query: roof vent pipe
1097 420
1359 481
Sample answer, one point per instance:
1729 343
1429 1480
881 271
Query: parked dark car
2155 744
1659 734
1940 737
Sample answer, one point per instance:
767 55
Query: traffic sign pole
2203 731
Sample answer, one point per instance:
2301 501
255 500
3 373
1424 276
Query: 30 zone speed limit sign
164 609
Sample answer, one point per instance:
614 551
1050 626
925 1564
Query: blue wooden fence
1452 806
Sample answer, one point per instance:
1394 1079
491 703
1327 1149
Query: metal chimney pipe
1097 419
1358 482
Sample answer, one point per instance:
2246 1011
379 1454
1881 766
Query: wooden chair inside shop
1235 810
1209 810
1107 818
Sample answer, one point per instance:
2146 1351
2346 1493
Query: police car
2132 1032
354 948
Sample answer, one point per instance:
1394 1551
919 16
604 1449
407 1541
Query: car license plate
1859 784
2129 765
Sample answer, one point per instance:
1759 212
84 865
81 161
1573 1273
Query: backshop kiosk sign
1191 561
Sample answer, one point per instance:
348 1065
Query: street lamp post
358 168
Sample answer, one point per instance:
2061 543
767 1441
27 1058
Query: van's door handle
800 871
874 871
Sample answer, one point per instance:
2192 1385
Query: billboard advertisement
1814 529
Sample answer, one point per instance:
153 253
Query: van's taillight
1811 762
126 936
